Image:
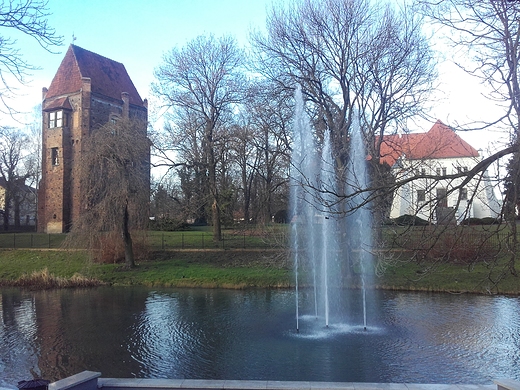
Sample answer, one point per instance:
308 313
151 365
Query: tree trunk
213 185
127 238
17 203
7 209
217 235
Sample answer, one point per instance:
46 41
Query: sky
138 34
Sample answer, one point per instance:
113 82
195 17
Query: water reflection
220 334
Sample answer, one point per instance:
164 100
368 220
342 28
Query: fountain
331 241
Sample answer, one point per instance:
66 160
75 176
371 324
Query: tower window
55 156
57 119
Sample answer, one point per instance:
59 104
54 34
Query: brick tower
87 92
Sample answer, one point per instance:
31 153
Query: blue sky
139 33
136 33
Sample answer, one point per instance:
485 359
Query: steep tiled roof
439 142
108 78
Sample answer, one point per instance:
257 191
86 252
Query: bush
168 225
480 221
490 221
110 248
409 220
462 246
281 216
472 221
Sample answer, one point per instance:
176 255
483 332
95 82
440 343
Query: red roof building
87 92
438 143
431 166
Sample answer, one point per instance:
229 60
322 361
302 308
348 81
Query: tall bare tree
269 113
115 181
360 63
205 78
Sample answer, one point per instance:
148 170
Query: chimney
86 84
125 96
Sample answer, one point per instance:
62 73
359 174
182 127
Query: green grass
241 268
168 270
479 278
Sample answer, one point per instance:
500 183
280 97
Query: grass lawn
243 269
184 269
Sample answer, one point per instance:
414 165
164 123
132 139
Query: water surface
221 334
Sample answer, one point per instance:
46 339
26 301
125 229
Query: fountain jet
328 236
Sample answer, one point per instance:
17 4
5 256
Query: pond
224 334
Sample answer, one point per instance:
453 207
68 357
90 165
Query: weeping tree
115 184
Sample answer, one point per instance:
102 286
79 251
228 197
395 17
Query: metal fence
155 240
408 239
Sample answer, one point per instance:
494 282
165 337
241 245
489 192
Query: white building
421 161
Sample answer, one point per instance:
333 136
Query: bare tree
206 79
16 166
28 17
361 64
270 113
115 180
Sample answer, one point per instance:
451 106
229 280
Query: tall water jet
319 219
361 237
301 169
324 203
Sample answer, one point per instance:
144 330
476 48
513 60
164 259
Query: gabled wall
480 201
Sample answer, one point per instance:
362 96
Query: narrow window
52 120
55 156
113 125
421 195
423 171
459 169
442 197
57 119
463 194
438 171
443 171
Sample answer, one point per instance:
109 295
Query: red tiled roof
108 78
439 142
61 102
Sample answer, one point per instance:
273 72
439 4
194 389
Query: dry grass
45 280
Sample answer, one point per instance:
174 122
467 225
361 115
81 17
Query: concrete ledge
86 380
507 384
203 384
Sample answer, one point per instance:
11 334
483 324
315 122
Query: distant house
22 208
426 156
87 92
